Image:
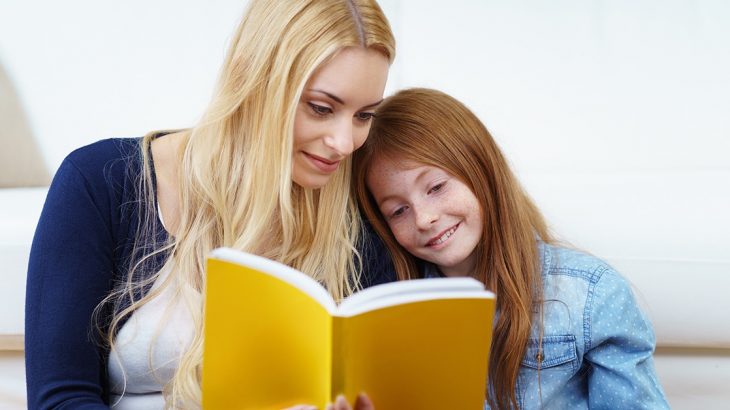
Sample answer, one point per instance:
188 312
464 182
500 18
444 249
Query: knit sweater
82 246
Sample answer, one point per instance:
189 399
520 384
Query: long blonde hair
236 186
429 127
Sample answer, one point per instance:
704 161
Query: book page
267 343
278 270
389 293
425 355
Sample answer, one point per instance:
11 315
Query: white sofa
19 211
669 234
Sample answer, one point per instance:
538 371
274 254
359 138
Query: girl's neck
467 267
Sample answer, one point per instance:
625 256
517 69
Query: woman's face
432 214
334 114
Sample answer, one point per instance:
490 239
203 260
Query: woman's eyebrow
375 104
332 96
341 101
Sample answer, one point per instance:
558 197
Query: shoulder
564 261
96 179
594 292
584 281
104 168
105 158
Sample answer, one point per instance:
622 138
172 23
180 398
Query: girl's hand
361 403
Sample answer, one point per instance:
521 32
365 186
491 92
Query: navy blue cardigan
83 244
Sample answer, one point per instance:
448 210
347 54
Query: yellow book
275 338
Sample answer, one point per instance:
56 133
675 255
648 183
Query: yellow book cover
275 338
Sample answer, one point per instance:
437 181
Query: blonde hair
429 127
236 186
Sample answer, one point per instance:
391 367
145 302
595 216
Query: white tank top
139 369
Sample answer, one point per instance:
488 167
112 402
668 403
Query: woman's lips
322 164
443 236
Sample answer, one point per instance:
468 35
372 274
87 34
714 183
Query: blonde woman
115 280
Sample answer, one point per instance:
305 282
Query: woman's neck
166 151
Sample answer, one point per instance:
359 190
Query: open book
275 338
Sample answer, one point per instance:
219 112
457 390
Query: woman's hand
361 403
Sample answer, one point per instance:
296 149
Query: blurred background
614 114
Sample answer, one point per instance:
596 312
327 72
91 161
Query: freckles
403 235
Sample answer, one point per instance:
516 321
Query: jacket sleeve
69 273
620 345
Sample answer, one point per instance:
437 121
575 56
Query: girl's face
334 115
431 213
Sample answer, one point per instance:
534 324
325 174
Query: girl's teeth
445 236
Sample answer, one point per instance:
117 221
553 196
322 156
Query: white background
614 113
565 85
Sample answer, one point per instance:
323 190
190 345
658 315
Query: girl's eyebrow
341 101
415 180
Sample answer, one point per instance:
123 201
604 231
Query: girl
128 223
440 193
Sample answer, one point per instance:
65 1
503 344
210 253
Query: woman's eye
365 116
320 110
436 188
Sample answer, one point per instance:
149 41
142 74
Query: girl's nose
425 218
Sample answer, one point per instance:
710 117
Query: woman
128 223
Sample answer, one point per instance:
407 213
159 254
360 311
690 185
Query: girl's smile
431 213
443 238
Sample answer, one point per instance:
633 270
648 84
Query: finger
341 403
363 402
301 407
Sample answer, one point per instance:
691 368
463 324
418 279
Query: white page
410 291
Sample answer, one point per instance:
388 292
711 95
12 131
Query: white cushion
20 209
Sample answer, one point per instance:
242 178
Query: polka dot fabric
597 345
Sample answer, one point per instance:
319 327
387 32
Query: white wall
583 85
566 85
91 69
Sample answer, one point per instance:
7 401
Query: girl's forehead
394 170
394 161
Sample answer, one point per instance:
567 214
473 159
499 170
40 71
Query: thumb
363 402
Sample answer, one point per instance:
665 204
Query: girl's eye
437 188
320 110
365 116
398 212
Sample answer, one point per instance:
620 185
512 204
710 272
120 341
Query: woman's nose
340 138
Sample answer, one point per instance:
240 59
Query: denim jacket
597 345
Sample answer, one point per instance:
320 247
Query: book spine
338 357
